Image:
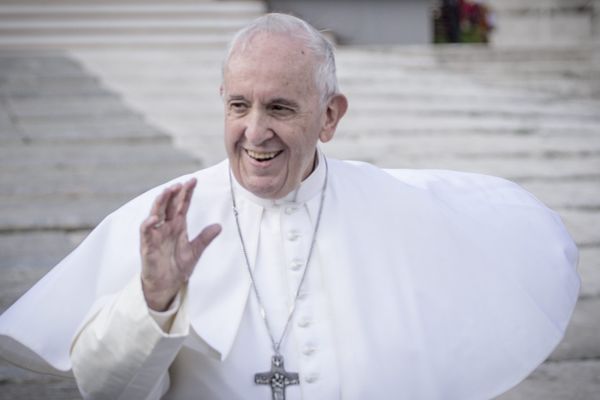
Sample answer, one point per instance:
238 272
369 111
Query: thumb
204 238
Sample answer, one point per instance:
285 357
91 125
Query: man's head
281 97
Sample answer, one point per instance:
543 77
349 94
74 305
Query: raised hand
168 256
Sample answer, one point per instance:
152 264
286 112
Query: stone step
206 105
125 129
581 339
524 170
471 145
191 24
21 384
475 55
147 23
70 157
37 250
583 226
575 380
98 180
357 124
109 40
568 193
69 211
130 8
589 270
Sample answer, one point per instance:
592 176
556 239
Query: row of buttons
304 322
308 350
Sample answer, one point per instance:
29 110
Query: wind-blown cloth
442 284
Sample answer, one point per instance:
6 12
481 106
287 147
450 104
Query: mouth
262 156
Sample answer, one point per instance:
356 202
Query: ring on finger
158 224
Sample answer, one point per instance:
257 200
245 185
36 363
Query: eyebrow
236 97
285 102
277 100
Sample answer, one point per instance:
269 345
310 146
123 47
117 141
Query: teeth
261 155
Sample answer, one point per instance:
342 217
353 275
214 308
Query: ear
336 108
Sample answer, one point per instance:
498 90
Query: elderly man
280 273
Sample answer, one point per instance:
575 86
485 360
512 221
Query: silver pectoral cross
278 378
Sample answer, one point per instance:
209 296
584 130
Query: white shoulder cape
451 285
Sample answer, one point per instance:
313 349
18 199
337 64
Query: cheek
232 135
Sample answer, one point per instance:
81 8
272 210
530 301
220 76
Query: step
108 40
95 9
61 27
110 24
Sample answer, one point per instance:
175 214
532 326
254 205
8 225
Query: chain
277 344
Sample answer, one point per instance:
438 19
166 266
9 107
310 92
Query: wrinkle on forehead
273 62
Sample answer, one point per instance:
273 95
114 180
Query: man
283 274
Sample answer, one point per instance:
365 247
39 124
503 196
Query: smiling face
273 114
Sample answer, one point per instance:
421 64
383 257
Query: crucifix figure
278 378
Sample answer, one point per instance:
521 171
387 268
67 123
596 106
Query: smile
263 156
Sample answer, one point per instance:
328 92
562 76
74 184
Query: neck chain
278 378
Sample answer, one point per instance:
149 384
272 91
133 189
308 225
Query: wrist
158 299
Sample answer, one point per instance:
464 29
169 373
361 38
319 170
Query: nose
257 129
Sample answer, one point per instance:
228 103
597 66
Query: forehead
271 63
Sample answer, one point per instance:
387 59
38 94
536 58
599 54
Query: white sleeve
123 353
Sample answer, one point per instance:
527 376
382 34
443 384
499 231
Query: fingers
174 200
204 238
188 191
161 203
180 199
149 224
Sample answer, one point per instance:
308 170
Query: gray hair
322 48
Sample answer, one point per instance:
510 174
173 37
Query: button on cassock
309 349
293 235
290 210
296 264
304 322
311 378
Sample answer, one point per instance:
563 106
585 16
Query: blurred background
103 99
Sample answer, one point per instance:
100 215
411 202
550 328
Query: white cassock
423 285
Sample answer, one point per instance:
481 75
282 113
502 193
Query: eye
280 109
238 106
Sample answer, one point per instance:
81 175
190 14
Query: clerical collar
308 188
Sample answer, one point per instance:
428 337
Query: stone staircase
545 22
528 114
69 24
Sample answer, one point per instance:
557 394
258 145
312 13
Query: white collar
307 190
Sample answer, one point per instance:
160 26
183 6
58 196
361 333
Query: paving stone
572 380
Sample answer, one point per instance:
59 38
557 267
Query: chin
266 190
